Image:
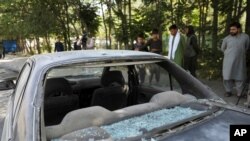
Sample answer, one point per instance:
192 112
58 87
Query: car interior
95 95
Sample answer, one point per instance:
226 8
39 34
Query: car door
14 125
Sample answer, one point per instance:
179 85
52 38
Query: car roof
93 55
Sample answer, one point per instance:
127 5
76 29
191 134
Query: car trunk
216 128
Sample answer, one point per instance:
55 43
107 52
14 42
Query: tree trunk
248 18
25 46
125 24
21 44
130 22
229 17
240 7
203 9
235 7
65 36
215 24
247 30
38 45
172 11
110 18
68 42
178 15
47 40
200 22
30 47
105 26
205 14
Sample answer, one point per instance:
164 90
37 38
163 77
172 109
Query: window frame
18 95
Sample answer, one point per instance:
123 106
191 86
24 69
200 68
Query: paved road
4 97
218 88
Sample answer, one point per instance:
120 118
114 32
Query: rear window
75 71
152 75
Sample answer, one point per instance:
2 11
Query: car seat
58 100
112 95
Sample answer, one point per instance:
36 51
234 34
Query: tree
89 19
248 18
215 24
105 24
34 19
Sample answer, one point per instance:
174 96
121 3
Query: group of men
79 43
84 42
182 50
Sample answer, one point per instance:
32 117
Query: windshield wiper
228 106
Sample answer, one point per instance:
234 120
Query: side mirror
7 85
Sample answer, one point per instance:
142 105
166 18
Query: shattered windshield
135 127
140 125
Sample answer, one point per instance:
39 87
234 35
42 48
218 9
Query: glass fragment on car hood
87 134
136 126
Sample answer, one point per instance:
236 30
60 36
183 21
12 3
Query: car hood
216 128
9 69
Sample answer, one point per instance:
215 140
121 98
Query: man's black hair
140 35
235 24
155 31
190 30
174 26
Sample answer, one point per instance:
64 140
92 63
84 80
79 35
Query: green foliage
88 16
123 20
210 63
46 48
39 18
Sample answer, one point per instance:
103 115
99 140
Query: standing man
191 51
140 44
84 40
77 44
155 46
90 43
59 46
176 45
234 70
155 43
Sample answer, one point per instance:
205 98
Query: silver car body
23 120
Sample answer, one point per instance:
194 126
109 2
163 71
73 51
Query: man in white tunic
234 47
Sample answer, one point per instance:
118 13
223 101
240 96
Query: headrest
171 98
111 77
57 84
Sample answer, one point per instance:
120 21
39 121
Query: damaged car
111 95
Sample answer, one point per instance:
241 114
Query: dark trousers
2 55
155 71
190 64
77 47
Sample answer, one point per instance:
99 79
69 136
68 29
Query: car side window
20 87
152 75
